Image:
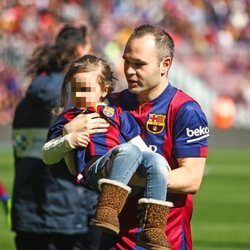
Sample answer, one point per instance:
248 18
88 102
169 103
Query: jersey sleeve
190 132
56 129
129 127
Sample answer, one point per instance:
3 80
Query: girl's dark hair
54 57
87 63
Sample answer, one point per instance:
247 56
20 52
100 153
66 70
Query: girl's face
85 90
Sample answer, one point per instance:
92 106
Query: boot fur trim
157 202
115 183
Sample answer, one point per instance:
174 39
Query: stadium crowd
212 37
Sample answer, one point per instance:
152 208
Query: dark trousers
32 241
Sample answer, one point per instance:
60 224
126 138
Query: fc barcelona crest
155 123
108 111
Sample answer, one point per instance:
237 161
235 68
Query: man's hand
89 123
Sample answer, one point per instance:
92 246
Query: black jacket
46 199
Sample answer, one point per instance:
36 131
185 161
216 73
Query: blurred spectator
5 198
224 112
10 93
50 210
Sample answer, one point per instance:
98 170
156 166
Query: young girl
116 154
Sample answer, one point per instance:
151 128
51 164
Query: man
172 124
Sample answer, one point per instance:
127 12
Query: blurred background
211 64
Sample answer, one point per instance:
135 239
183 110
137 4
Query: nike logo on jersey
200 133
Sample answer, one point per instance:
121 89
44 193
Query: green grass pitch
221 219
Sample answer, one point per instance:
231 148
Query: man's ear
165 65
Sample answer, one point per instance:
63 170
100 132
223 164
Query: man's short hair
164 42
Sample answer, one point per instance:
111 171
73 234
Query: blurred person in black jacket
50 209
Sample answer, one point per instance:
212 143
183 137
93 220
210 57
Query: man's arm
190 149
188 177
185 179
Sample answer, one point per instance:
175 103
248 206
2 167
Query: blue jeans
122 161
154 168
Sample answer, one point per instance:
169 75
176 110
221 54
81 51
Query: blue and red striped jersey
123 128
189 132
175 126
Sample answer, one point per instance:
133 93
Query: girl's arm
55 149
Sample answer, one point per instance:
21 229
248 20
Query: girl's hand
79 139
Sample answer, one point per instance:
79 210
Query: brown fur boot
154 219
110 203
